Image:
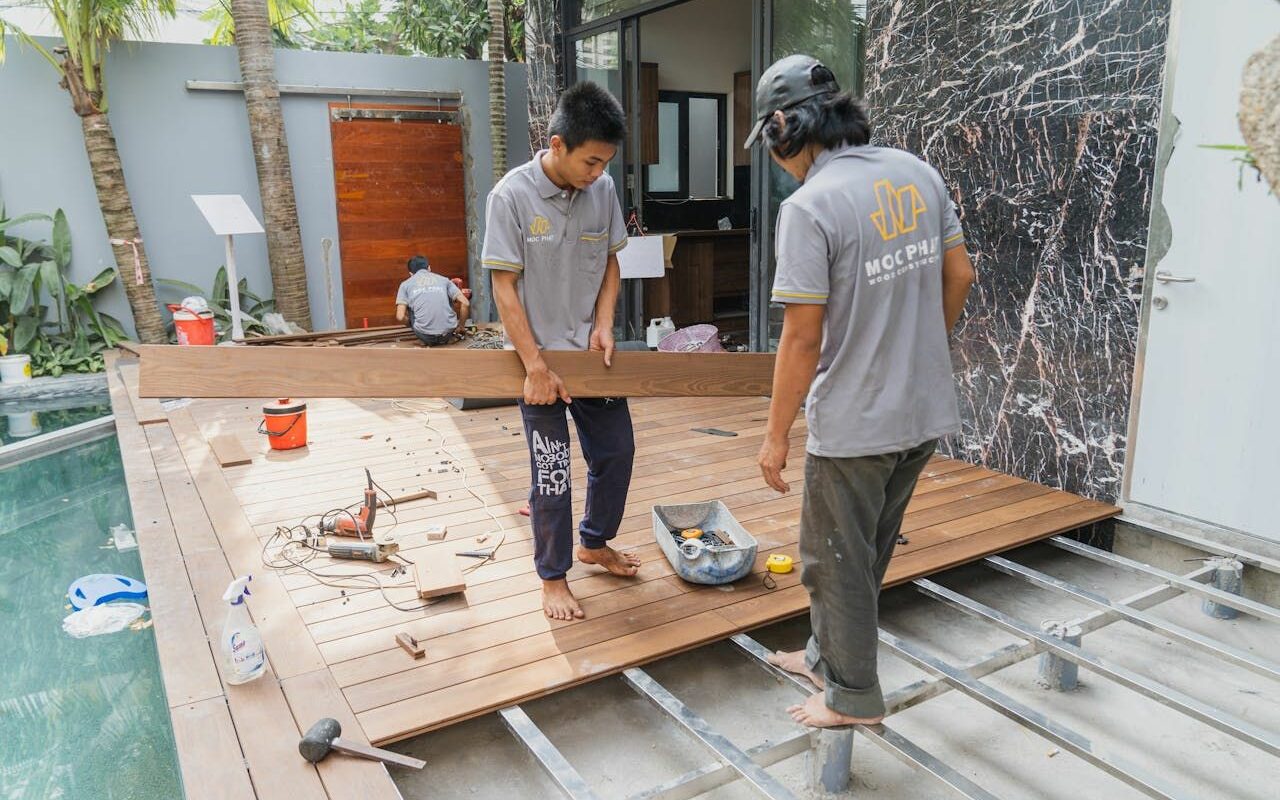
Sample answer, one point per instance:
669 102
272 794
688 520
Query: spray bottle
242 656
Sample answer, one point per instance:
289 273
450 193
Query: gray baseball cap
789 81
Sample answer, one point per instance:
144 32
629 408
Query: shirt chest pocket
593 251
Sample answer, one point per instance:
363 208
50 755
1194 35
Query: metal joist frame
1033 720
1260 610
915 693
1165 695
1150 622
695 725
892 742
704 779
546 754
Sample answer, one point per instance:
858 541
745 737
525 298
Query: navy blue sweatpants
608 446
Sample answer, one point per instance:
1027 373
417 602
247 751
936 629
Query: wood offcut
229 451
276 371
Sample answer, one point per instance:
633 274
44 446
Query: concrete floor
622 745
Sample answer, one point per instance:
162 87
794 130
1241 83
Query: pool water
18 423
79 718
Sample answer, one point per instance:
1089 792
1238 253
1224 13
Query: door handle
1165 277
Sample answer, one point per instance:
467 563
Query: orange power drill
357 525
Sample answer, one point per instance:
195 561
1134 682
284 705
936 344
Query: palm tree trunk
541 29
271 156
498 87
122 226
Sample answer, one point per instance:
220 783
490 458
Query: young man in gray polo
553 228
431 304
873 272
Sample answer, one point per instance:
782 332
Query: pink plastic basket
693 339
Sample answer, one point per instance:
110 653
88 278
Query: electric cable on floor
424 408
292 560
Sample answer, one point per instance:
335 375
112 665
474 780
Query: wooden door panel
400 191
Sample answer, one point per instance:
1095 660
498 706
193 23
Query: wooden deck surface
494 647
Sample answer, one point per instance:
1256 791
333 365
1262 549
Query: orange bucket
192 327
284 423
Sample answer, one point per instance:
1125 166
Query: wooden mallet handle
375 753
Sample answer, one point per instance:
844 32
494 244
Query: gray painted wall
175 143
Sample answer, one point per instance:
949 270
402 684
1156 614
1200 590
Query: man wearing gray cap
872 269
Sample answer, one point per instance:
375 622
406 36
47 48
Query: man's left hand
772 461
602 341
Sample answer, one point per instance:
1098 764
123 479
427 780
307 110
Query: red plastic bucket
192 327
284 423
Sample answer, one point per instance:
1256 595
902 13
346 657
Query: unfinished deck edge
748 614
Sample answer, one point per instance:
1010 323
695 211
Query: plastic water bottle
243 658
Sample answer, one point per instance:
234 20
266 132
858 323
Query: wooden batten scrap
425 494
411 645
439 577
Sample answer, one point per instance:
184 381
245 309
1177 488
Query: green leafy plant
285 16
30 270
1244 157
252 307
439 28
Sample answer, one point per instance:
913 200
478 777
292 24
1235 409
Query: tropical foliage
66 335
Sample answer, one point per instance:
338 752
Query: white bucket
23 424
15 369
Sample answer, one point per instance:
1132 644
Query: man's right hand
542 387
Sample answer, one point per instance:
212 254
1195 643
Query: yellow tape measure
779 563
691 533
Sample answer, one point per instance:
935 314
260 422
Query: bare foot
793 662
558 602
814 713
624 564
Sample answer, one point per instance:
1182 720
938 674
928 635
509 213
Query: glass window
832 32
704 147
592 10
665 175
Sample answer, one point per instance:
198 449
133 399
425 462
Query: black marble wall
1042 117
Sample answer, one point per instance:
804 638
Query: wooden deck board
494 647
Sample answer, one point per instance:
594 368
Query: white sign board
227 214
642 257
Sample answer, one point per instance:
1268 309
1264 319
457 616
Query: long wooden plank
314 696
430 372
218 772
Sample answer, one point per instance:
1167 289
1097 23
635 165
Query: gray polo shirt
559 241
864 235
430 297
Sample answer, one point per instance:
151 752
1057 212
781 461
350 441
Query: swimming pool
79 718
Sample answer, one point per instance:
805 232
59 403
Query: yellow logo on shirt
540 226
898 209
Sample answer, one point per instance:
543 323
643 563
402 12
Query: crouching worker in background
431 304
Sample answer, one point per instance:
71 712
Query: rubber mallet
325 736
